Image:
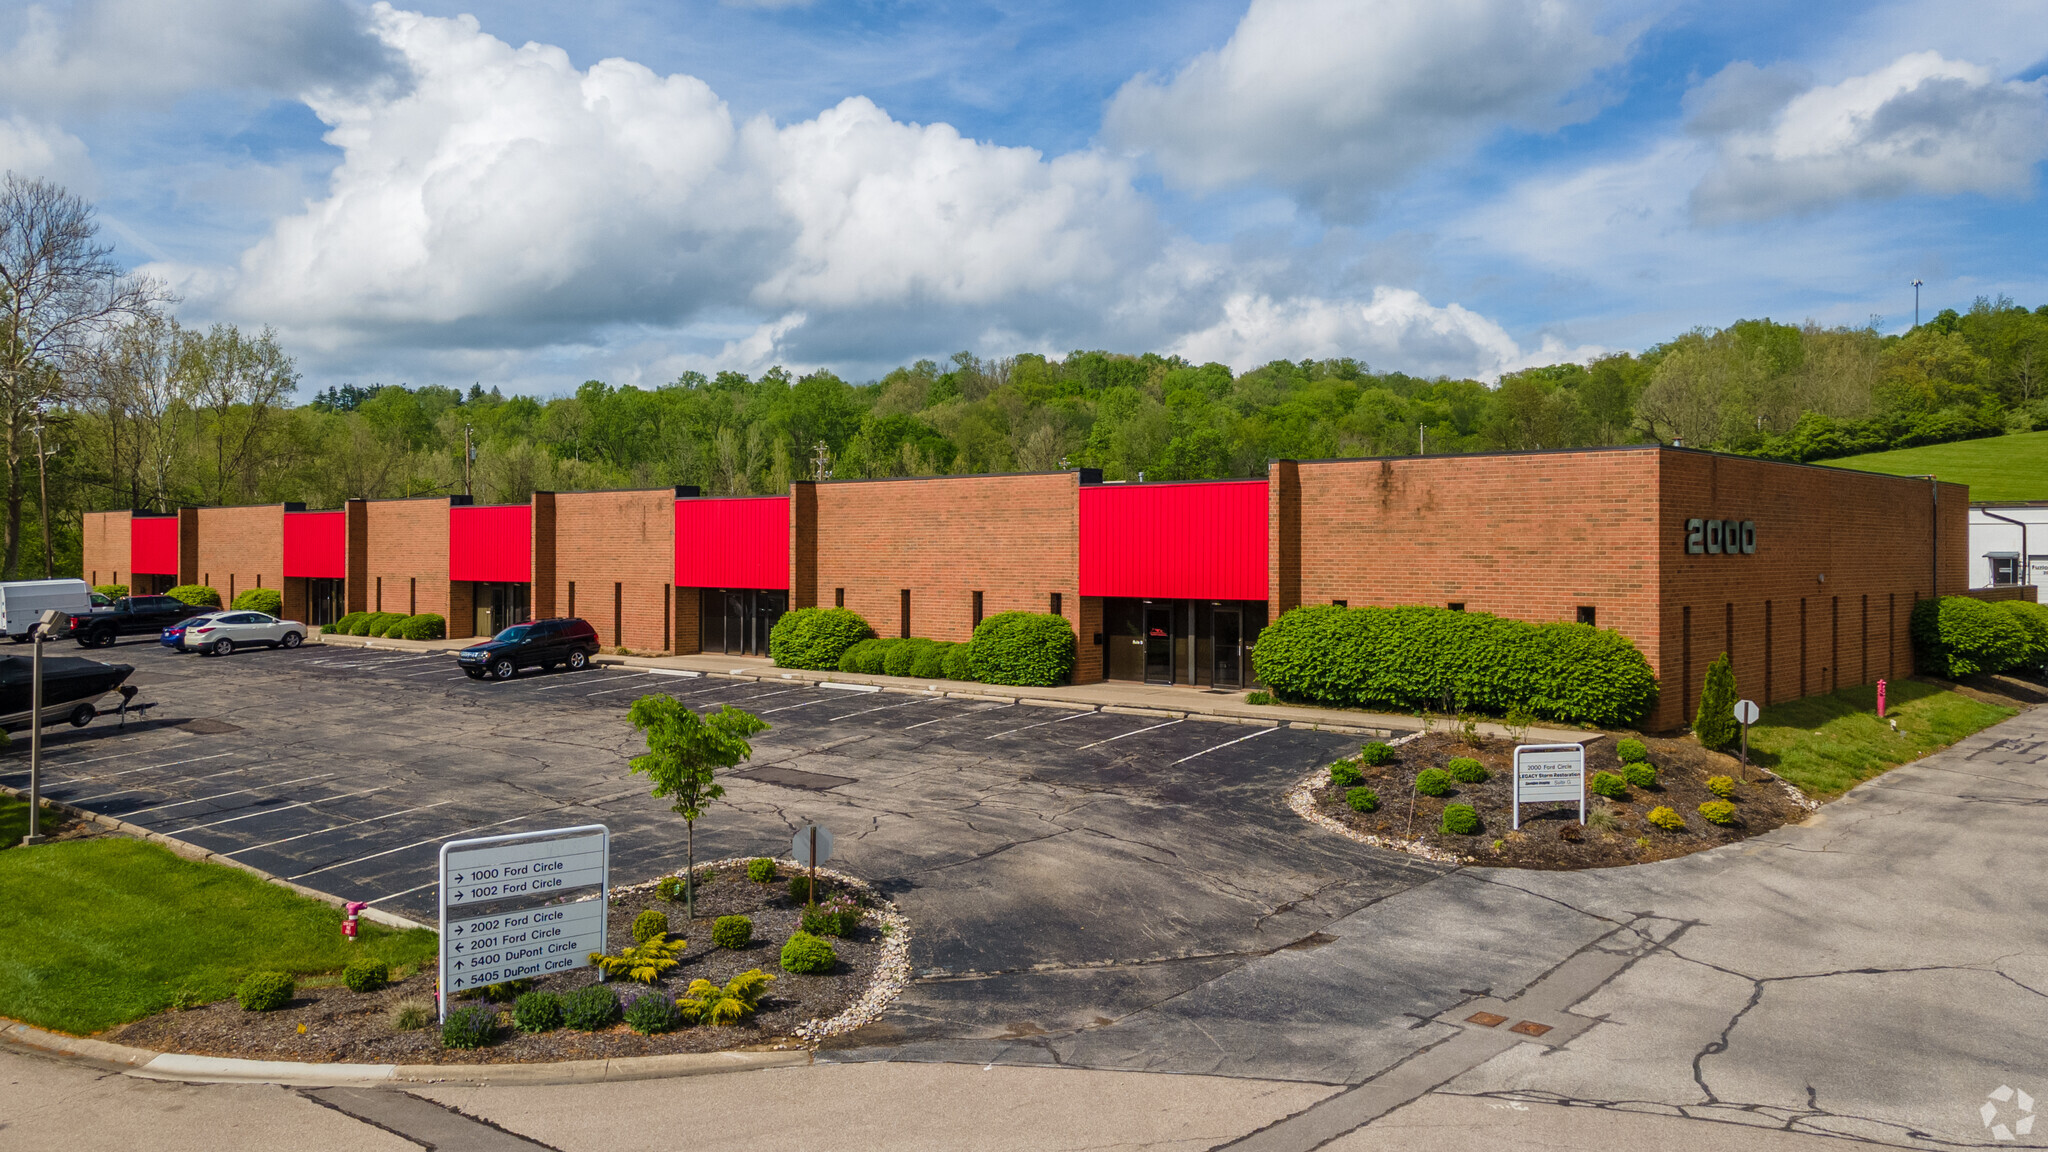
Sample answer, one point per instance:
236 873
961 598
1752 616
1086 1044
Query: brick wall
356 590
2028 592
106 549
619 548
239 548
406 562
1013 538
545 572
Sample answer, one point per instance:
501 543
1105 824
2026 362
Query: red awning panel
732 542
491 543
1194 541
316 544
153 545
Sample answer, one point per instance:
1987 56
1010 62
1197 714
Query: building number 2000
1720 537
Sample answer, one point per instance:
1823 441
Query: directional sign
1550 772
1746 711
516 922
800 846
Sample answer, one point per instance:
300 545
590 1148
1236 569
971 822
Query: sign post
811 844
1746 711
1549 772
508 919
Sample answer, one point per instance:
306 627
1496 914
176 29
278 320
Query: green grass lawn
95 933
1999 469
1828 744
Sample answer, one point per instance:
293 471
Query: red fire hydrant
352 909
1880 699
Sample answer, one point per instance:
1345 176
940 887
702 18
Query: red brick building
1806 575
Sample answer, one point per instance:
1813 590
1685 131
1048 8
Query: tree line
135 409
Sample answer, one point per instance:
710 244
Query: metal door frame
1145 631
1216 646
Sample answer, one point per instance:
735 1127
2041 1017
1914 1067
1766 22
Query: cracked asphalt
1087 915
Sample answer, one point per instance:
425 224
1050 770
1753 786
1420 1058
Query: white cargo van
23 602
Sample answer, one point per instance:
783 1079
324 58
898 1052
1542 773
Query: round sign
800 845
1746 711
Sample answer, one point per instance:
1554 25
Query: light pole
468 459
43 486
1916 303
35 735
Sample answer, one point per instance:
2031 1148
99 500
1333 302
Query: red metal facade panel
1195 541
316 544
732 542
153 545
491 543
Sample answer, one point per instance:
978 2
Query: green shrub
268 601
760 870
1640 774
649 924
365 974
1344 774
839 916
1715 723
653 1012
1433 782
815 638
732 932
1718 812
800 887
1258 696
852 659
806 954
931 661
411 1014
1362 799
384 623
1466 770
506 991
1609 785
111 591
672 889
341 626
1376 754
1666 819
1631 750
425 626
197 595
266 991
646 961
537 1012
2032 621
958 662
1026 648
904 656
590 1008
874 660
1415 658
707 1003
1958 636
1460 820
1722 786
470 1026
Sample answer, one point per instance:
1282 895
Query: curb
147 1065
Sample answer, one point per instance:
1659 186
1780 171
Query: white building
2000 535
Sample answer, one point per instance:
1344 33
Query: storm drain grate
208 726
1530 1028
1486 1019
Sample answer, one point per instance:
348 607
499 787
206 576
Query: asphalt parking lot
1061 868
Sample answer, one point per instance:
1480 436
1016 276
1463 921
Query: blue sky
529 194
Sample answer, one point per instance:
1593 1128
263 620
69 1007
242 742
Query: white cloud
1340 100
1921 124
1396 329
42 151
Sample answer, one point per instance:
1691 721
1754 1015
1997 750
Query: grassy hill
2001 468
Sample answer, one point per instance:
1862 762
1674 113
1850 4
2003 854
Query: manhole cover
1486 1019
793 778
208 726
1530 1028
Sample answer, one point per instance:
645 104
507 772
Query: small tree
1715 724
683 749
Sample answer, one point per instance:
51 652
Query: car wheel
578 660
108 638
291 640
222 647
82 715
474 673
503 670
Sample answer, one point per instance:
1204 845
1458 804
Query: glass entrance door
1159 645
323 600
1228 670
499 606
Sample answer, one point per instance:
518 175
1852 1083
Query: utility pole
468 460
1916 303
1421 444
821 462
43 484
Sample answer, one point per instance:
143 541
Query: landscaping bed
1618 829
329 1022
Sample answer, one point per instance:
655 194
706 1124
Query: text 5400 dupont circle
528 938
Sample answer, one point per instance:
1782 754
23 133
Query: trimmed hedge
425 626
816 638
930 663
341 626
1416 658
958 661
268 601
1958 636
376 623
1026 648
197 595
904 657
1715 723
111 591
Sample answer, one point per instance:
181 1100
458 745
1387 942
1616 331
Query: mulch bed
340 1025
1551 837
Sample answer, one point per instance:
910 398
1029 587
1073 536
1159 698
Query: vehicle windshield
512 635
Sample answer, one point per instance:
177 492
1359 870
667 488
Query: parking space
1136 854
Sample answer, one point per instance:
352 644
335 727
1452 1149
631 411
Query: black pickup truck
130 616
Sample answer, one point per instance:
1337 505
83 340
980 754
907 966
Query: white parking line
286 808
144 768
426 672
1114 739
962 716
882 708
587 679
805 704
339 827
50 759
765 695
1043 723
407 892
144 787
1225 744
224 795
414 844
